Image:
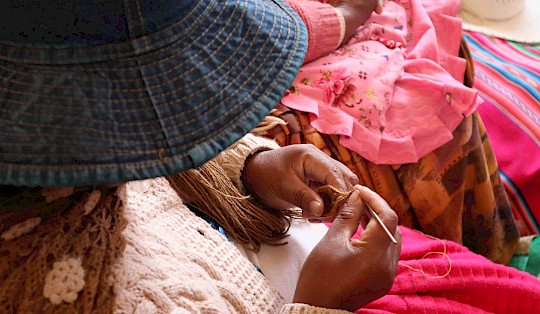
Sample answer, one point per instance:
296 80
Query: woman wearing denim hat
118 91
95 94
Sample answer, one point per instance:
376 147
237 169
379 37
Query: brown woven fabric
68 228
454 193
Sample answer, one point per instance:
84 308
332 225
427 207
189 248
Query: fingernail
359 187
315 208
355 197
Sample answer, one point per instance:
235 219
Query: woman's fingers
290 177
327 279
319 169
322 169
297 193
348 217
387 216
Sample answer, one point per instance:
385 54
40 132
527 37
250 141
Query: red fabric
473 285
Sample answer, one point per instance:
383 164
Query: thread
443 253
209 190
333 199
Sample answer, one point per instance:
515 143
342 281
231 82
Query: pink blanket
473 284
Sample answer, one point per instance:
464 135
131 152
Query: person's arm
323 25
331 24
233 158
355 13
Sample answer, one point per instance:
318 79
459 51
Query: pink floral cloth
394 92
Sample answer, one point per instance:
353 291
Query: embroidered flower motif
363 75
345 51
64 281
348 97
371 93
52 194
294 89
306 81
338 88
20 229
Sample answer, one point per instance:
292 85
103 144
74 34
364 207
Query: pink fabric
394 91
473 285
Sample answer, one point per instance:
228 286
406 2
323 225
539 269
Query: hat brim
154 106
524 27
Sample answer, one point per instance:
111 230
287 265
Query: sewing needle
373 213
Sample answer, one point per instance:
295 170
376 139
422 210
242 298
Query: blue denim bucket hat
95 92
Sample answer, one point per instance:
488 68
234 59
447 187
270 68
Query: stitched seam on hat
194 108
184 86
99 131
116 69
155 46
160 120
141 19
143 28
176 157
171 69
198 106
170 159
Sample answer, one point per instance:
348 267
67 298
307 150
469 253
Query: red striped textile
507 75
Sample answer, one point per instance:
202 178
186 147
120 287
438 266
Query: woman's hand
290 176
348 274
356 13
